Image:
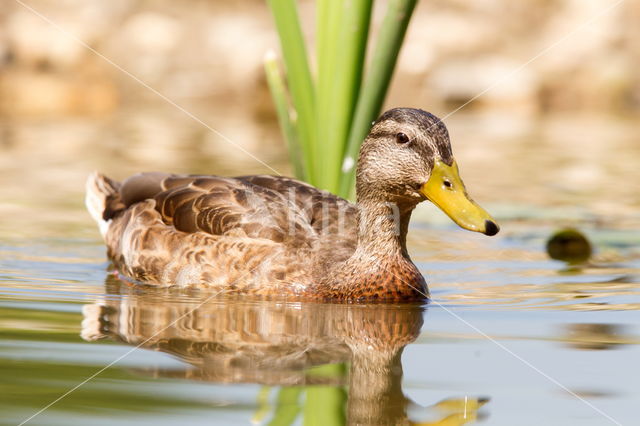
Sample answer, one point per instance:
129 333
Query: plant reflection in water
333 363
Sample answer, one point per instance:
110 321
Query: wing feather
276 208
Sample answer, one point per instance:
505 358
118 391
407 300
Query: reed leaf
327 29
376 84
280 99
287 406
301 87
325 405
343 27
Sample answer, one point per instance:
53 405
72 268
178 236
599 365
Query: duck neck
382 228
380 267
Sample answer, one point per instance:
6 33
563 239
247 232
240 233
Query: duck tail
102 200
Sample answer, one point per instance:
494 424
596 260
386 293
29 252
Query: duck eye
448 184
402 138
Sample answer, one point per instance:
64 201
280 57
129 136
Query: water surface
510 337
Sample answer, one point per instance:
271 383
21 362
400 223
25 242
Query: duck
275 236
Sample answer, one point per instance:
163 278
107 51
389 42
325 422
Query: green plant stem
327 30
325 405
301 87
263 405
279 95
342 39
287 406
376 84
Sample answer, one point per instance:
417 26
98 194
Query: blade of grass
287 127
264 408
285 14
287 406
327 29
325 405
376 84
342 46
327 25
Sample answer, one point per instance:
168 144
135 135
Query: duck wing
332 219
328 214
275 208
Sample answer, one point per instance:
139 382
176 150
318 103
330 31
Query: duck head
406 159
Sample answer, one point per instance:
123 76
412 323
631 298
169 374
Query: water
511 337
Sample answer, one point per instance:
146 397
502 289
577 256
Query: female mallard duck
276 236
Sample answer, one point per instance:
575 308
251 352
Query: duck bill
446 190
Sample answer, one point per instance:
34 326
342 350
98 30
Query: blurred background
553 132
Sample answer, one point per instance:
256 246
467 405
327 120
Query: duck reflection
345 358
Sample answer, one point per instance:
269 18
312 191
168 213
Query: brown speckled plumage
270 235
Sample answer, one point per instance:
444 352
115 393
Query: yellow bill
446 190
